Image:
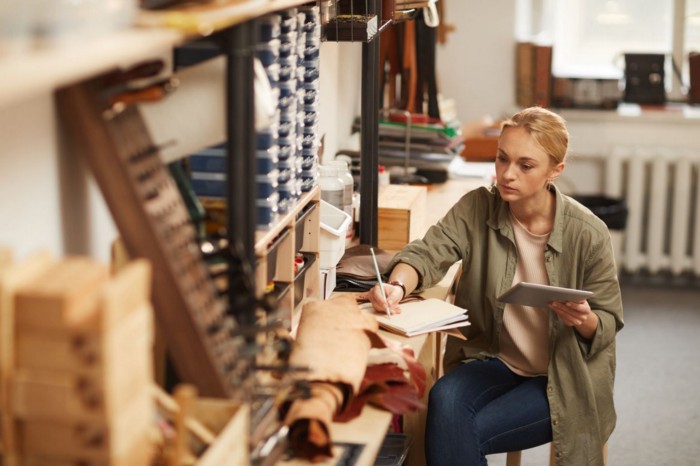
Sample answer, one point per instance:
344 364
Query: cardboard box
401 215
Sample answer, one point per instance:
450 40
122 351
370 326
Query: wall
476 65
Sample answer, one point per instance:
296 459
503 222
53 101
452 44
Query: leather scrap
338 330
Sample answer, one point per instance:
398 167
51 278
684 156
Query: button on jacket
478 231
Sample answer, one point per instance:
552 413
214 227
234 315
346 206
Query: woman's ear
555 172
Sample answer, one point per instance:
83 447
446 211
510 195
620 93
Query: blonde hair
547 129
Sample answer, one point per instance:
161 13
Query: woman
524 376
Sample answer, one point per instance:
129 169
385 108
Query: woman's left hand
577 315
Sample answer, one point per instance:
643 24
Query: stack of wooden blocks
76 364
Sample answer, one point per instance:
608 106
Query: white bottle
332 187
348 182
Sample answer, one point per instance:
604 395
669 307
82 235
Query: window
590 37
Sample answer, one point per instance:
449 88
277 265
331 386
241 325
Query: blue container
285 174
268 52
270 27
285 152
308 164
209 160
266 160
308 184
267 184
266 212
207 184
266 138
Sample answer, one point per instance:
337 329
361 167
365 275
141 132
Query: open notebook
429 315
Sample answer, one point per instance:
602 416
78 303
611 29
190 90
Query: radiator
660 186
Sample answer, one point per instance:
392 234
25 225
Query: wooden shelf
42 71
203 20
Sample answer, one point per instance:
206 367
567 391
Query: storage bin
300 278
334 225
209 184
610 210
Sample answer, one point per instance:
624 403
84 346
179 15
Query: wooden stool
513 457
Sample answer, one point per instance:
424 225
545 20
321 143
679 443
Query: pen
379 280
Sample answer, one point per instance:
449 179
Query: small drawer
285 175
267 184
300 278
266 138
209 160
308 164
268 52
270 27
266 160
285 152
266 211
302 225
209 184
288 190
271 253
288 88
308 184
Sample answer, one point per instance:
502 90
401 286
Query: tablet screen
535 295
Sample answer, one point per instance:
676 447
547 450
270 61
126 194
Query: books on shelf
533 74
429 315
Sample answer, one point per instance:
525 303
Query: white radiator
660 186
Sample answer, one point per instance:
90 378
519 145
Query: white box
334 226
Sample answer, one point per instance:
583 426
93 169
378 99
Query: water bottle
332 187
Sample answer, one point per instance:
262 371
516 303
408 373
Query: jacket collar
500 218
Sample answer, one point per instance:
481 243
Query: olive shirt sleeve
443 244
600 276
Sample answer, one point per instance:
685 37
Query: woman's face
522 167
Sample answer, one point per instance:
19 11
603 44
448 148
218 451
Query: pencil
379 280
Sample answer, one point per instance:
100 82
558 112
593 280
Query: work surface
370 428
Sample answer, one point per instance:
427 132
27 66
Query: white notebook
429 315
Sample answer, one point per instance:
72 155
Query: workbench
371 427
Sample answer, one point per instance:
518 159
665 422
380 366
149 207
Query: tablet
535 295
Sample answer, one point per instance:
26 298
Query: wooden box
65 439
401 215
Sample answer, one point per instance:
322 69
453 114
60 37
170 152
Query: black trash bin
610 210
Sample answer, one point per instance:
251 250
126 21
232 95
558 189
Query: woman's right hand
394 294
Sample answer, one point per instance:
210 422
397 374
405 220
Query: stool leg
552 461
513 458
605 454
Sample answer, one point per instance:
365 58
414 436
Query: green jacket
477 231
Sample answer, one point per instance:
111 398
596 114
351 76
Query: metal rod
369 134
239 48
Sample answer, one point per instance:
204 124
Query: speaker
644 78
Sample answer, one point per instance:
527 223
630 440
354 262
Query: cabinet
30 81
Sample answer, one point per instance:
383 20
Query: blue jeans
481 408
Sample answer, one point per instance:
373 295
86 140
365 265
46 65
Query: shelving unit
272 251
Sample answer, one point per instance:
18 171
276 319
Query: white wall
476 65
